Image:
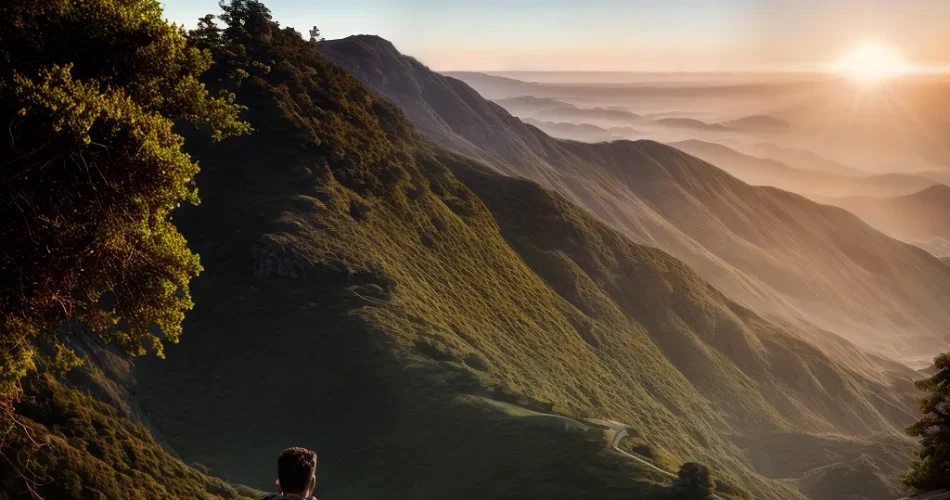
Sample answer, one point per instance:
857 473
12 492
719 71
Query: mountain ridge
918 218
455 327
435 328
738 256
771 172
547 108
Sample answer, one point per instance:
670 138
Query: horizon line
829 73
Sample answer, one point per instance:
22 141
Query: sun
870 62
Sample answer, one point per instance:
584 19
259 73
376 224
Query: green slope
76 445
385 302
329 317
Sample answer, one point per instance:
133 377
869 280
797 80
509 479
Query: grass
75 446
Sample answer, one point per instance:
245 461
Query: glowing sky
618 35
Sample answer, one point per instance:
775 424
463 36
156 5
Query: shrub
693 482
932 470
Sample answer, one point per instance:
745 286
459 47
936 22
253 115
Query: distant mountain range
905 125
921 218
903 128
496 87
529 104
546 108
691 123
583 131
775 252
802 159
770 172
760 123
550 109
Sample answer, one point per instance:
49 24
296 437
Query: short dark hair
294 468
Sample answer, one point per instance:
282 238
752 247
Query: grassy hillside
356 299
919 218
77 445
434 329
776 253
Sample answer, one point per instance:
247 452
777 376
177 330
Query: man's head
296 472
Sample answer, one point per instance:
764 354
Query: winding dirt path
620 432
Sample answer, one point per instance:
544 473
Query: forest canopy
90 171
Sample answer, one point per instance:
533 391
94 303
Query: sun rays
870 62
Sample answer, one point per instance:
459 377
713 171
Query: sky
618 35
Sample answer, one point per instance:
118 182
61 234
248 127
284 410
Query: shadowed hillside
922 218
84 440
775 252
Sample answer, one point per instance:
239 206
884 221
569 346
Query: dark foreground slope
84 440
777 253
436 330
921 218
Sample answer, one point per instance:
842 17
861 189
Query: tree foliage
90 170
348 132
932 470
315 35
693 482
89 449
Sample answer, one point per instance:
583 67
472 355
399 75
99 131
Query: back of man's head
296 469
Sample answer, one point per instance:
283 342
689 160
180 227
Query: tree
247 20
315 35
932 470
90 171
693 482
207 35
